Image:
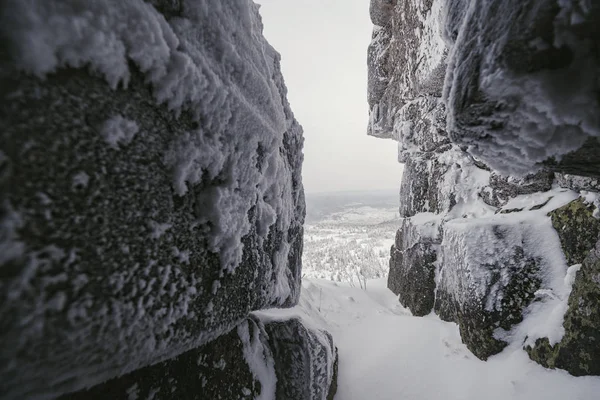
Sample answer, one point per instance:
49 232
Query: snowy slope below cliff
385 353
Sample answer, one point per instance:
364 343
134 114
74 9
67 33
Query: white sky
323 46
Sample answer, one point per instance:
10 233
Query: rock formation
151 198
271 359
495 109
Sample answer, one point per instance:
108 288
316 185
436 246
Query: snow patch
11 248
80 180
259 359
118 131
158 229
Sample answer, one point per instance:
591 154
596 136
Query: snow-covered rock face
406 58
522 84
150 185
262 360
490 269
412 263
479 95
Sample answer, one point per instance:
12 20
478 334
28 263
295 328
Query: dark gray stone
419 189
577 229
421 129
305 361
412 269
107 268
217 370
504 188
381 11
483 296
577 183
286 357
378 72
583 162
578 351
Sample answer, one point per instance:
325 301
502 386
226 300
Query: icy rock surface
577 228
489 273
412 263
305 360
578 183
257 360
476 95
577 351
521 87
150 185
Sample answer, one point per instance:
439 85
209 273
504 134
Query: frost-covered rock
521 88
577 352
381 11
503 188
420 128
220 369
420 189
150 185
257 360
577 228
408 53
413 263
305 361
518 113
489 272
578 183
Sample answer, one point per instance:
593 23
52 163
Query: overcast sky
323 45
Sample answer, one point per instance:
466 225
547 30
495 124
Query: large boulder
305 361
413 263
489 272
507 92
267 360
150 187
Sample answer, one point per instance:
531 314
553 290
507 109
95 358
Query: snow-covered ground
385 353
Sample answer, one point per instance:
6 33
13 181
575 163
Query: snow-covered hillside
349 238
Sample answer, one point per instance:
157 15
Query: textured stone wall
150 194
502 156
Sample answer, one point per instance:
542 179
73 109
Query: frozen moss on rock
577 229
579 350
